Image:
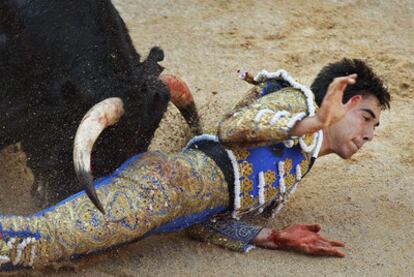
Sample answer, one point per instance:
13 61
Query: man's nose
369 134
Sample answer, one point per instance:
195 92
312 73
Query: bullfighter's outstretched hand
299 237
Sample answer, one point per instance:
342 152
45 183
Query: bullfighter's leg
150 193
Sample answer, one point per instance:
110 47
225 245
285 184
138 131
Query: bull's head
107 113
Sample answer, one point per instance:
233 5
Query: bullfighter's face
349 134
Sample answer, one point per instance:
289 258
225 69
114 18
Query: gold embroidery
304 166
164 182
201 233
290 178
247 201
288 166
247 186
26 254
240 153
308 139
246 168
270 191
270 177
241 126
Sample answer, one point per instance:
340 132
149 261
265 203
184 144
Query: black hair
367 83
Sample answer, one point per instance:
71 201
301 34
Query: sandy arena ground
367 202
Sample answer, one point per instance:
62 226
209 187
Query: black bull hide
58 59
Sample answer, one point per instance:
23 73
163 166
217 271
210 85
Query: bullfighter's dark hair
367 83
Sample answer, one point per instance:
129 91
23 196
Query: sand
367 201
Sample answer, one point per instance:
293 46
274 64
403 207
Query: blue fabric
266 158
273 85
234 229
98 183
186 221
175 225
20 234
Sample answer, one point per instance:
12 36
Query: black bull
58 59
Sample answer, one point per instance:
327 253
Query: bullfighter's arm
225 232
285 114
241 236
258 90
267 120
251 95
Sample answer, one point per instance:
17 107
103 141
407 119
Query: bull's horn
100 116
182 98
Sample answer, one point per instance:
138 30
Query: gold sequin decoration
247 186
241 127
170 185
246 168
199 232
304 165
240 153
270 191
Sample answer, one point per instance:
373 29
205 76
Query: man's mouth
357 146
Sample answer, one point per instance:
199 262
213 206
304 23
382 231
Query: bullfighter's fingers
314 228
336 243
326 251
340 83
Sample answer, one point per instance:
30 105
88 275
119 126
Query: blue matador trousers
150 193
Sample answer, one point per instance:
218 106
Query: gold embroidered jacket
268 162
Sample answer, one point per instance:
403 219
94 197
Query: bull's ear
156 54
150 65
